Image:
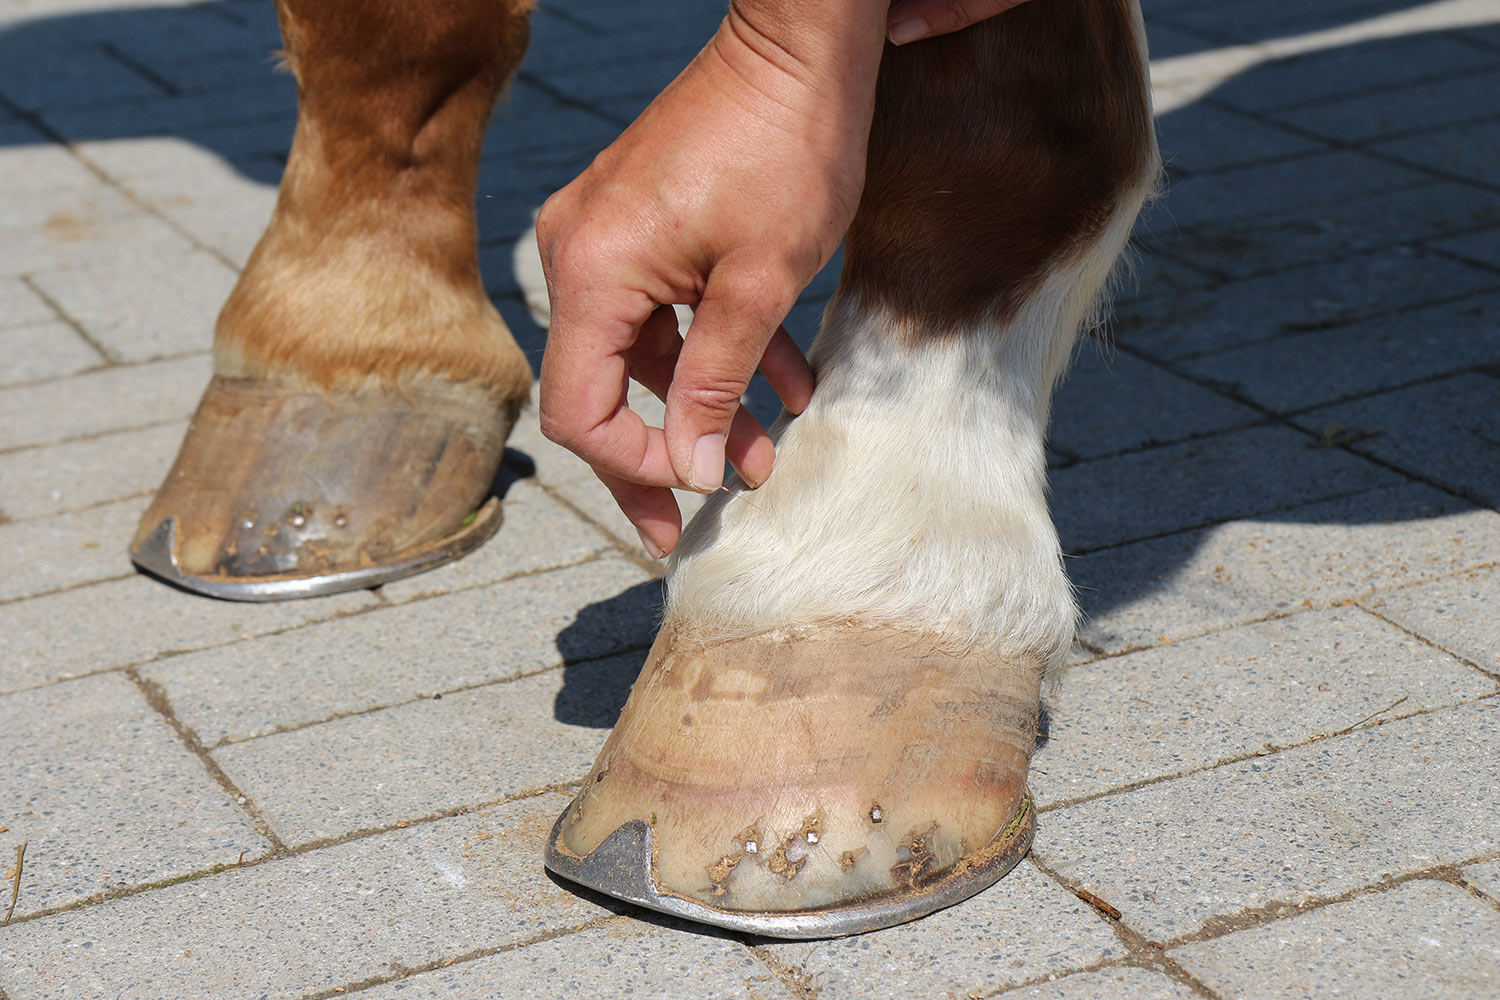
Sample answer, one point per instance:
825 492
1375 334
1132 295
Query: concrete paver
1308 823
1360 358
68 549
1324 254
119 303
1190 705
1224 476
311 922
1122 982
446 643
1313 555
134 619
106 796
636 958
1423 938
1456 614
1485 878
1024 928
1446 432
118 398
45 350
446 752
87 471
1327 295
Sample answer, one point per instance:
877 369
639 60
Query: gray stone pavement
1274 760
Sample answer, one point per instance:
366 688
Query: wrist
829 47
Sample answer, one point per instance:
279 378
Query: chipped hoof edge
157 555
622 866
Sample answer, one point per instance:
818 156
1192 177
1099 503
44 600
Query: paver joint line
1406 191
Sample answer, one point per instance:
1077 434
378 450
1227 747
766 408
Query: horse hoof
284 490
808 783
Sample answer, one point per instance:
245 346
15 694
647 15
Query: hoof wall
622 866
283 490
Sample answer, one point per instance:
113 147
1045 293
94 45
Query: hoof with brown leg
808 783
283 489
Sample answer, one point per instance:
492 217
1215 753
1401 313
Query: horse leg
363 384
833 729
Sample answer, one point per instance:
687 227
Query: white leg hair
912 490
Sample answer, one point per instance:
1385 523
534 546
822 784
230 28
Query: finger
749 449
739 312
584 381
653 363
653 359
914 20
785 367
651 509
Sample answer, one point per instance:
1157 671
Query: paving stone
1480 248
1315 555
1236 475
1024 927
308 923
1284 188
1446 431
141 308
1254 20
127 621
1274 240
20 306
1121 982
1423 938
44 350
89 233
106 796
37 77
621 958
463 749
1361 357
1456 614
35 482
393 655
538 533
1202 137
1347 70
1416 108
259 98
1114 401
1485 878
1308 823
109 400
1470 151
1188 706
66 550
1314 298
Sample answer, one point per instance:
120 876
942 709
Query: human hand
914 20
728 194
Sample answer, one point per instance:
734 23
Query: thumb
914 20
739 313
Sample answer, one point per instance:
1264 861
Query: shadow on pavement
1267 197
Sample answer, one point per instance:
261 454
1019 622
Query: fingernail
652 549
708 463
910 30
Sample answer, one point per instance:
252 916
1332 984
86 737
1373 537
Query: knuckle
712 394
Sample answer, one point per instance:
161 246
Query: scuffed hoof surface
808 783
282 490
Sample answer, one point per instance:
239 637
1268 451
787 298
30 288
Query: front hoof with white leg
810 782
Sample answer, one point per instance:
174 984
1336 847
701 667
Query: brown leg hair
369 265
364 385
